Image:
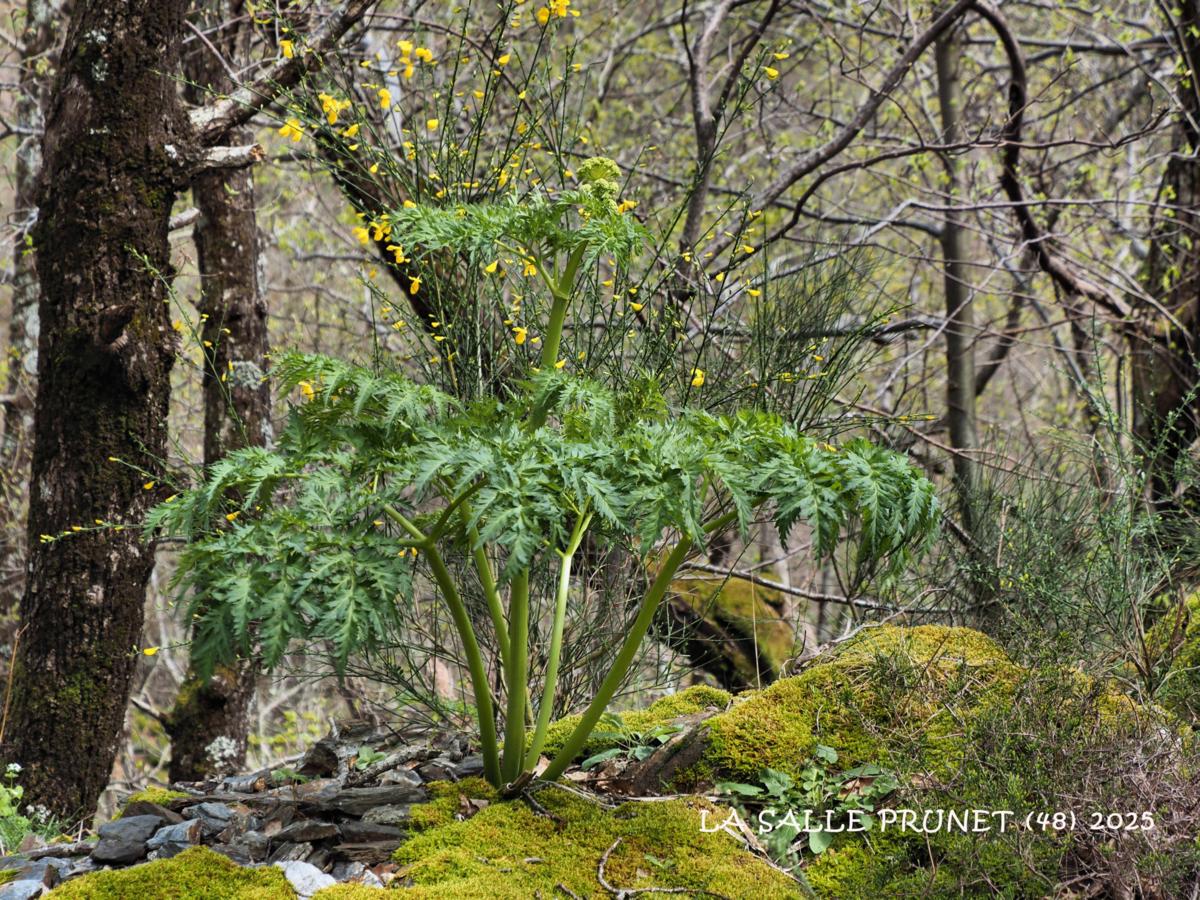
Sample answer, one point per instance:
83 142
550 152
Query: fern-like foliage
297 542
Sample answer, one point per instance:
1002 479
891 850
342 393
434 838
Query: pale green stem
516 676
546 707
625 656
462 623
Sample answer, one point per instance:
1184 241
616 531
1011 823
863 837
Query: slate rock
305 878
291 853
307 830
364 832
355 873
255 844
24 889
440 769
124 841
146 808
174 839
359 801
469 767
392 814
371 853
214 817
405 777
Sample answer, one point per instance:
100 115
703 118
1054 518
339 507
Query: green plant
378 480
787 808
636 745
367 756
13 826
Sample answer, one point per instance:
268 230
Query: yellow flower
637 307
626 205
414 285
398 252
229 517
406 47
503 60
331 106
148 486
424 54
754 292
491 267
351 131
560 364
747 249
697 378
432 124
288 49
385 98
408 204
149 651
293 129
530 268
519 334
409 69
306 388
771 73
543 15
782 56
364 236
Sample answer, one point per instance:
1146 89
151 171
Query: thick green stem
546 707
620 668
516 676
462 623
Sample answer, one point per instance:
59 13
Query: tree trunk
209 724
113 132
38 42
1165 376
960 314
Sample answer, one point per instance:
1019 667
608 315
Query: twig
622 893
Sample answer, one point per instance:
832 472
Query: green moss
687 702
1174 647
352 892
506 850
750 613
195 874
161 796
445 802
7 875
882 699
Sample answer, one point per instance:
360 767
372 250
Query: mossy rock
1174 645
738 621
688 702
161 796
507 850
881 698
960 724
195 874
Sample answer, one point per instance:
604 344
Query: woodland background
978 221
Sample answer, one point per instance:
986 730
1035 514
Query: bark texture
209 724
113 132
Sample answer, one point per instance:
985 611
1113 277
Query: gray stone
307 830
355 873
394 814
124 841
359 801
470 767
306 879
146 808
291 852
255 844
215 817
402 777
440 769
174 839
365 832
25 889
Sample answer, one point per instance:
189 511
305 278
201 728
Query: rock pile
337 816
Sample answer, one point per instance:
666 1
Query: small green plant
793 814
367 757
13 826
286 775
378 482
629 744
